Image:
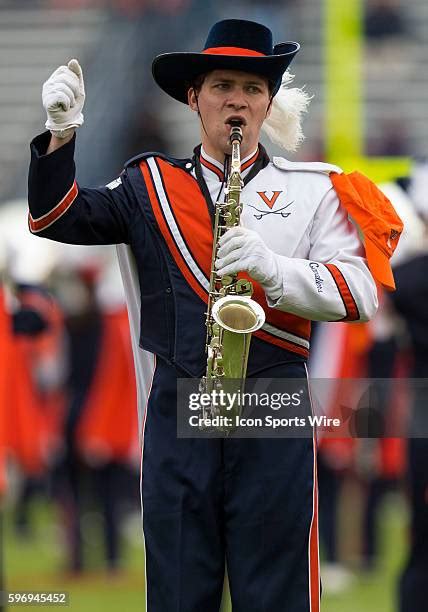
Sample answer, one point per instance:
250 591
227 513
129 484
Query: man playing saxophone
250 503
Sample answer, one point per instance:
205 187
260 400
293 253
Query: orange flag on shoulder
376 218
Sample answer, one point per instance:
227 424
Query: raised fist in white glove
242 249
63 98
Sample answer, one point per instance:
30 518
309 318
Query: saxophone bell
238 314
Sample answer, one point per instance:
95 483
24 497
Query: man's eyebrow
229 80
222 80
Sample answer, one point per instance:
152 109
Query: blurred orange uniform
108 426
27 425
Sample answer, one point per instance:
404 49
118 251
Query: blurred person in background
252 502
29 412
393 140
99 429
411 303
389 40
371 350
337 353
382 463
34 402
385 20
278 15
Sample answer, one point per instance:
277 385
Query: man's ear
192 99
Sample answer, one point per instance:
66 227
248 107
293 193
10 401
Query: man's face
226 95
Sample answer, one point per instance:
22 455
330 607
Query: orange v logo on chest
270 202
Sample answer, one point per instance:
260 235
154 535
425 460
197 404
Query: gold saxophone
232 316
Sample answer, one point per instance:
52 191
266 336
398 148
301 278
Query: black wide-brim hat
232 44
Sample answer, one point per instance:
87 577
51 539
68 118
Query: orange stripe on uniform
41 223
314 563
219 173
352 312
191 214
250 161
284 344
212 167
163 226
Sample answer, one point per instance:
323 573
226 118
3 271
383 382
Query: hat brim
174 71
379 265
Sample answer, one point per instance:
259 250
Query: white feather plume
283 126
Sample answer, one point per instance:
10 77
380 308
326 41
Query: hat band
232 51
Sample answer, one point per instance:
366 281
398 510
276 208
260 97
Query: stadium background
364 63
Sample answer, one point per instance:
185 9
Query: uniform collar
213 169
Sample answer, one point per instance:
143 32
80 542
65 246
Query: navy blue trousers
248 503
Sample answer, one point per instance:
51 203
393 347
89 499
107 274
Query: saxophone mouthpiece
236 131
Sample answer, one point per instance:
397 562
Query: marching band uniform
138 209
251 501
313 230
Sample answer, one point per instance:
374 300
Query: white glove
243 250
63 98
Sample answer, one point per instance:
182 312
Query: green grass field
36 564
